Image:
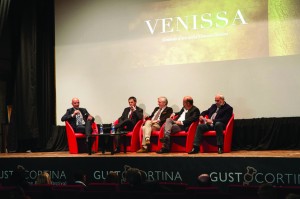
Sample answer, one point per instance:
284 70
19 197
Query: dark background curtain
266 133
4 8
33 96
31 89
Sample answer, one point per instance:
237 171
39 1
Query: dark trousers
202 128
170 128
87 130
125 125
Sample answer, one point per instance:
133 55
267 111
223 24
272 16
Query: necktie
157 114
215 114
78 120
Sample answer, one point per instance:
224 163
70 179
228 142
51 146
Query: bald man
219 115
80 120
180 121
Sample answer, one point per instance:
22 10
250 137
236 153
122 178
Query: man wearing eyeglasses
218 115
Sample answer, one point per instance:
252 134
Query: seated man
180 121
80 120
219 115
154 122
130 116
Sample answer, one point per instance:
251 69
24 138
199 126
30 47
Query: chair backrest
95 128
155 144
134 137
72 143
174 186
191 136
68 187
72 137
183 145
228 135
209 143
229 126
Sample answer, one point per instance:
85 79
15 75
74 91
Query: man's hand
132 108
178 122
90 118
172 116
76 112
209 121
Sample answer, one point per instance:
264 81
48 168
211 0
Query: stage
242 153
279 167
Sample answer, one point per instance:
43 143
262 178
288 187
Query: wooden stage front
245 154
279 167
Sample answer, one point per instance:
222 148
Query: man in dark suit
80 120
130 116
154 122
179 122
219 115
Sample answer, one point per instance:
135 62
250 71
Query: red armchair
131 140
155 144
182 141
209 143
74 139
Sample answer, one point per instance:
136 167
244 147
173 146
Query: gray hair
164 98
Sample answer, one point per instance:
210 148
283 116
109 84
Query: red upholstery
155 144
243 192
73 187
209 143
74 137
174 186
103 186
199 189
182 141
132 138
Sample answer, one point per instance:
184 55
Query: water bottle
101 129
112 128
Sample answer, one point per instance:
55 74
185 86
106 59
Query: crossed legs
201 129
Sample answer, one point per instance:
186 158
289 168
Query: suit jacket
224 114
72 120
163 116
191 116
136 115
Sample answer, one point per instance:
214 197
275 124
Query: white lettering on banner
5 174
164 176
225 177
194 22
151 175
101 175
32 174
55 175
253 176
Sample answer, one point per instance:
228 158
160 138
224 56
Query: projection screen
109 50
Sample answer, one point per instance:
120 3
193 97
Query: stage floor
243 153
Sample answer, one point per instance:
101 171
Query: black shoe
194 150
117 150
163 150
220 150
162 140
